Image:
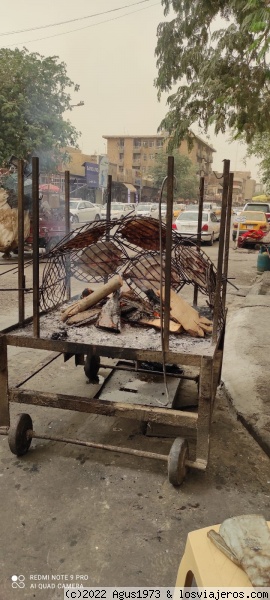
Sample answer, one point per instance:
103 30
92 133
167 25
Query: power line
81 28
73 20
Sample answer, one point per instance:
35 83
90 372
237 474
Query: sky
112 58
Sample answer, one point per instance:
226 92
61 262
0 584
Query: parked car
82 211
118 210
259 206
253 220
146 210
187 225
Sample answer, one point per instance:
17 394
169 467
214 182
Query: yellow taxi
177 209
251 220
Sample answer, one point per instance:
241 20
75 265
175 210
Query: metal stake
67 230
199 233
168 256
217 306
227 240
21 277
35 200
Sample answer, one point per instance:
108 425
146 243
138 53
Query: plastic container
263 261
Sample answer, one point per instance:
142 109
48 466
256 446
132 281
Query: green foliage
260 147
33 98
187 184
223 76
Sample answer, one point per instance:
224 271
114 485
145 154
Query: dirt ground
115 519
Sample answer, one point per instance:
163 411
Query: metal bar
168 255
35 200
4 403
109 201
21 277
132 451
227 239
67 231
133 369
199 233
217 303
39 367
138 412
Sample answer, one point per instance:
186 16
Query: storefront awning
130 187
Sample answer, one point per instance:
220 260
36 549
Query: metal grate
131 246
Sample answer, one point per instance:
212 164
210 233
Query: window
121 169
159 143
213 218
121 156
151 156
145 144
136 156
151 144
145 157
121 142
137 143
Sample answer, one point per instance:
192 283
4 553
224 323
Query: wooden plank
103 407
4 404
178 358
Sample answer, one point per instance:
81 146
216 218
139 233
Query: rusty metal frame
209 362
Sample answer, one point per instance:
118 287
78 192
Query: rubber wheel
176 461
91 367
18 440
97 218
74 219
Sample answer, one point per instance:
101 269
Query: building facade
135 155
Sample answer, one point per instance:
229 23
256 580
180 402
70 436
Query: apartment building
134 155
243 187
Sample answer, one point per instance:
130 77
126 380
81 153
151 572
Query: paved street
112 518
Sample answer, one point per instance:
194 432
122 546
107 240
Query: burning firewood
84 318
156 323
187 316
109 317
114 284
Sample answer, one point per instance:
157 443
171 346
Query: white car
118 210
187 224
82 211
145 210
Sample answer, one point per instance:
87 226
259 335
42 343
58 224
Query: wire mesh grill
98 250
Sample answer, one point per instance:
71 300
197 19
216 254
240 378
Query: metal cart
205 355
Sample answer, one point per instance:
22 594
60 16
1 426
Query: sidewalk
245 370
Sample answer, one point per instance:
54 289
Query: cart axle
20 437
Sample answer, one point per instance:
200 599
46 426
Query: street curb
255 432
244 371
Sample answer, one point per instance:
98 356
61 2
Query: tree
187 184
33 98
260 147
223 75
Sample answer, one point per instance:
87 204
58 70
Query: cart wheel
176 461
18 440
91 367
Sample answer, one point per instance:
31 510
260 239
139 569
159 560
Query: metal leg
4 404
204 410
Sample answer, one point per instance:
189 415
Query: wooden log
187 316
85 317
114 284
109 317
174 327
